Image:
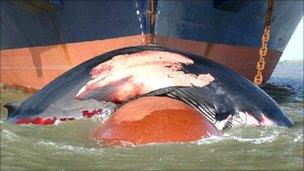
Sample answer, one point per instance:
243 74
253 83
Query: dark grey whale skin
227 94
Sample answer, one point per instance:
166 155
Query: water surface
69 146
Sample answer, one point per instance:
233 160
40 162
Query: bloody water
69 146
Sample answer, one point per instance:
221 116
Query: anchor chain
151 14
258 79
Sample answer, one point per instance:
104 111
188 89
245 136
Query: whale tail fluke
12 108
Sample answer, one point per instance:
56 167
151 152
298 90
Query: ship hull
40 41
32 68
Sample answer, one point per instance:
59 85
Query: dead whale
123 84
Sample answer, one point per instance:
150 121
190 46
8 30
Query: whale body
110 81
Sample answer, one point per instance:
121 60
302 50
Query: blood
264 121
49 121
41 121
23 121
90 114
101 69
37 121
63 119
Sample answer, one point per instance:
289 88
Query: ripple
70 148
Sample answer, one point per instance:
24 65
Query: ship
41 39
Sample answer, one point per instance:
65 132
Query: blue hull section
227 22
76 21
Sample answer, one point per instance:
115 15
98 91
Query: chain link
260 66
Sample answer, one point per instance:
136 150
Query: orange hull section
154 120
32 68
241 59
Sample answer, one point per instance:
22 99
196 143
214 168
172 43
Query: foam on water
69 148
